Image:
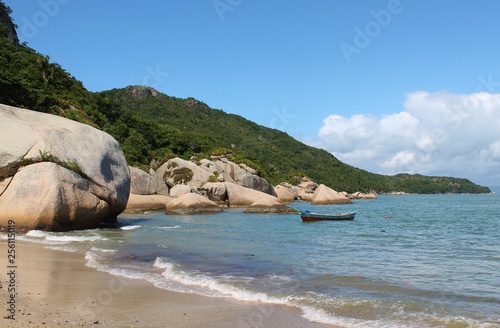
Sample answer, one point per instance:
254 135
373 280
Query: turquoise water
405 261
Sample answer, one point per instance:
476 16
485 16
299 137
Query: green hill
188 127
153 127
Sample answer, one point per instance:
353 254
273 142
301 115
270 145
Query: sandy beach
55 289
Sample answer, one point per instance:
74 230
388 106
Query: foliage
46 156
212 178
153 128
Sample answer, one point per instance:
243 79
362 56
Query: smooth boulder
269 206
191 204
147 203
243 175
239 196
305 195
77 175
285 194
360 195
142 183
324 195
307 184
179 190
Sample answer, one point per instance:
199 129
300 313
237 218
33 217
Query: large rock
307 184
178 171
209 166
269 206
142 183
64 175
147 203
285 194
241 196
179 190
161 186
243 175
47 196
360 195
190 204
305 195
324 195
215 191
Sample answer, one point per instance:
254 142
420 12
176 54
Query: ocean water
405 261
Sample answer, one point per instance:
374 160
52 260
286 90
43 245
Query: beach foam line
103 250
132 227
199 283
68 249
321 316
170 276
168 228
58 238
94 261
173 278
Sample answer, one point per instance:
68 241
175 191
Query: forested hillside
153 127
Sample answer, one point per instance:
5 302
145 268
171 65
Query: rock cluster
228 184
221 181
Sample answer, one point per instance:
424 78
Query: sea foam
199 283
132 227
61 238
169 228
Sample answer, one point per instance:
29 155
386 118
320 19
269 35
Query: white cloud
438 133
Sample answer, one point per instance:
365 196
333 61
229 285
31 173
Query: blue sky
388 86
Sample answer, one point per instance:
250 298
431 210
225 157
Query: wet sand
55 289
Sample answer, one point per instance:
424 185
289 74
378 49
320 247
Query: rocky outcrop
285 193
141 92
58 174
179 190
307 184
215 191
196 175
305 195
161 186
142 183
7 23
360 195
191 204
324 195
147 203
269 206
241 196
243 175
178 171
212 168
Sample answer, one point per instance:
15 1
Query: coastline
56 289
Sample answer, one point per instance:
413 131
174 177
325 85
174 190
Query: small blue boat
310 216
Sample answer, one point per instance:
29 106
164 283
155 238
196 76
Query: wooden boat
310 216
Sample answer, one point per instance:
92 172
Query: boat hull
308 216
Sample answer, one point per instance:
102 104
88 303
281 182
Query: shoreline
55 288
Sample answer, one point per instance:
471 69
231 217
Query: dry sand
56 289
